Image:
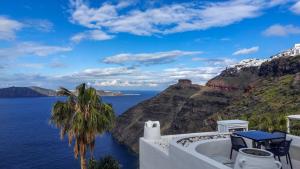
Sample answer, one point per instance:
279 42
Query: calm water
27 141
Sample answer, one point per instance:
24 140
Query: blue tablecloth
258 135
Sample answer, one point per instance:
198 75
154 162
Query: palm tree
82 117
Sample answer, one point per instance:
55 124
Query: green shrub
107 162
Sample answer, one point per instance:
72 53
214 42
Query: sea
28 141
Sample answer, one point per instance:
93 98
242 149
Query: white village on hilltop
257 62
290 52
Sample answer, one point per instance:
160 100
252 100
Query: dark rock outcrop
280 66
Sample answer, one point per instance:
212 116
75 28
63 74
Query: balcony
207 150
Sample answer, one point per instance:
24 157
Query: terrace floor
295 152
230 163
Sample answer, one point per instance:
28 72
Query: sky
137 45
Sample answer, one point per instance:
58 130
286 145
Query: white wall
195 159
152 158
178 157
195 156
219 147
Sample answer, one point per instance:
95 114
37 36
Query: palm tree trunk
82 162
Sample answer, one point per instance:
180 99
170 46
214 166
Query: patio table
258 136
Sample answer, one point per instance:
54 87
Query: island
34 91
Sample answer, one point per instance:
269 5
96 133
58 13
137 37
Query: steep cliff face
280 66
247 92
162 107
218 94
193 115
233 79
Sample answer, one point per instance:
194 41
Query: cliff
163 107
247 91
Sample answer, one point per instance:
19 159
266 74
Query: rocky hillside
163 107
12 92
275 94
252 91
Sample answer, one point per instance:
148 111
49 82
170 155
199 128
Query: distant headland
33 91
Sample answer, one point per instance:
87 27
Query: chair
282 149
280 134
237 143
273 142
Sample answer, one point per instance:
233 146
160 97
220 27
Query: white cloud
39 24
57 64
32 65
246 51
170 18
116 77
216 61
8 28
296 8
148 58
96 73
124 83
21 79
225 39
278 2
145 79
29 48
281 30
91 35
197 74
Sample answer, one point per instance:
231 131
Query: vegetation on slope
267 105
107 162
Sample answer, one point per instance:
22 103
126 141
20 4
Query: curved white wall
219 147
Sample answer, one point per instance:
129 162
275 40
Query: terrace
207 150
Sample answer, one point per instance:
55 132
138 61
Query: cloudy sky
135 44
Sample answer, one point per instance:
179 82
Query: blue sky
132 44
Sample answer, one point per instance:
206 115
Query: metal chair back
237 142
280 134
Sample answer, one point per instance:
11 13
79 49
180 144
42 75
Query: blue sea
28 141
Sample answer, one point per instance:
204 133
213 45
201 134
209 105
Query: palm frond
64 92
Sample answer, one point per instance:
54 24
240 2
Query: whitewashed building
206 150
290 52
